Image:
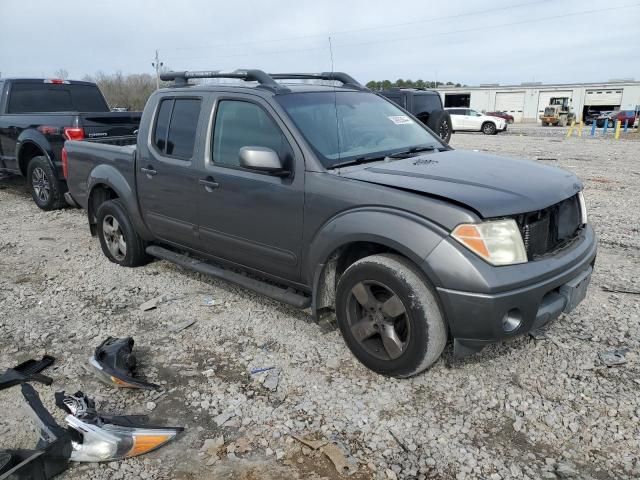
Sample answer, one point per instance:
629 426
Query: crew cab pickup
333 198
37 116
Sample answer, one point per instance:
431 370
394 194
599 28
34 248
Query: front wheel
46 190
389 316
120 242
489 128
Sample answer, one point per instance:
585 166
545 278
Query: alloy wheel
114 238
40 184
378 320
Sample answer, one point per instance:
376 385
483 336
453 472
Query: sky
471 42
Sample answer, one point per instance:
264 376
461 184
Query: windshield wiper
398 155
358 161
412 151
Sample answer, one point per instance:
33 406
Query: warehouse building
526 101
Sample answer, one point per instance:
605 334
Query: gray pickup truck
331 197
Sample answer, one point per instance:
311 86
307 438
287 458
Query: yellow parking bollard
580 129
617 130
570 132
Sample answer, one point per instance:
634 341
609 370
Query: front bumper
534 293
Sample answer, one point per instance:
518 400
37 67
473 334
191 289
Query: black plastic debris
102 438
116 364
53 450
27 371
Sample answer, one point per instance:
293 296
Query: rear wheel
489 128
389 316
120 242
46 190
440 123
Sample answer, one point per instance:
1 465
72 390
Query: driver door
248 217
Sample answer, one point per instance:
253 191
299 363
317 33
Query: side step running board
263 288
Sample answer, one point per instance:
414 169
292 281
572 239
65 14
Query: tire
120 242
489 128
396 299
440 123
47 192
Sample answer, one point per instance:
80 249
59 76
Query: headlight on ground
499 242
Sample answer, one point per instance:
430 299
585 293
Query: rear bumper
477 319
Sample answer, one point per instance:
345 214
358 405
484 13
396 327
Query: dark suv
426 105
334 198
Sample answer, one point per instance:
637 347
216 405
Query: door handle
209 183
149 171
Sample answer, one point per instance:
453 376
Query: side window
397 99
243 124
176 125
162 124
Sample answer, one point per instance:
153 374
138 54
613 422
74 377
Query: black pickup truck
335 198
38 115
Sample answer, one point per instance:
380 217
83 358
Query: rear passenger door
248 217
166 178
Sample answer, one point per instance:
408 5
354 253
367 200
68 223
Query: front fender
107 175
408 234
37 139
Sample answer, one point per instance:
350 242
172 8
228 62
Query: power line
426 35
366 29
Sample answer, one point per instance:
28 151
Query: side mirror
261 159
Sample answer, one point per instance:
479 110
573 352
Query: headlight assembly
499 242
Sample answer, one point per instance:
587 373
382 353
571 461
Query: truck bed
86 156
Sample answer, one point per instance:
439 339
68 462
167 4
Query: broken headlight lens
499 242
106 442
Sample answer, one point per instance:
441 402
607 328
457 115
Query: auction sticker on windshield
400 119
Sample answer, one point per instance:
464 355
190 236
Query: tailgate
110 124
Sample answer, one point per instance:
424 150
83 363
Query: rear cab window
174 133
34 97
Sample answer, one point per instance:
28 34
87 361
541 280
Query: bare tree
61 73
125 91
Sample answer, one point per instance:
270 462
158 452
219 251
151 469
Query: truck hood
491 185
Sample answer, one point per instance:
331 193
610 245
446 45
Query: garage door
543 99
603 97
512 103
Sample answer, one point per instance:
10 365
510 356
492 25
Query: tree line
131 91
400 83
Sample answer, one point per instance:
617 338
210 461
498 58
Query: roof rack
266 80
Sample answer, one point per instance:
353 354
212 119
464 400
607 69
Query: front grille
548 230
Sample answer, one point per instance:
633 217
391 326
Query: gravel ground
530 408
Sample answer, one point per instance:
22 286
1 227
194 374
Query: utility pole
157 64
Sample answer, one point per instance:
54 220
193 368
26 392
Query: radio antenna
335 101
331 53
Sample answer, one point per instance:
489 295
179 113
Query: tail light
57 81
65 163
74 133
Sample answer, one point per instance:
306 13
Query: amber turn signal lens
145 443
499 242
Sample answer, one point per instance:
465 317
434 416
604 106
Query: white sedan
470 120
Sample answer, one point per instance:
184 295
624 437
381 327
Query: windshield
344 126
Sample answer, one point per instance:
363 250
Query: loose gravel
527 409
